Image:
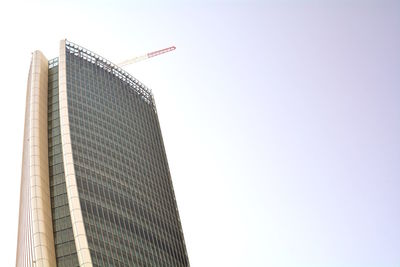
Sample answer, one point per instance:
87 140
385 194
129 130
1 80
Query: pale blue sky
281 119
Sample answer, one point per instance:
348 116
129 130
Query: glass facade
126 195
62 228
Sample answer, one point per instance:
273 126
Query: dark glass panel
62 227
124 184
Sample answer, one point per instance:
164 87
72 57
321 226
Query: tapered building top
95 188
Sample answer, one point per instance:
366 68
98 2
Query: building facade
95 188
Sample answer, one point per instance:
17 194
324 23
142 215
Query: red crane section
146 56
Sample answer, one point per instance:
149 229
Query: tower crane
146 56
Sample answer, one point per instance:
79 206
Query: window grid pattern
62 228
125 189
134 84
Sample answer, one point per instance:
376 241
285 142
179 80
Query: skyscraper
95 187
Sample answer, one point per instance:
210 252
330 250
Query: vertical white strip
78 227
43 240
36 241
25 246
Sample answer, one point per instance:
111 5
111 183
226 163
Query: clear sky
281 119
